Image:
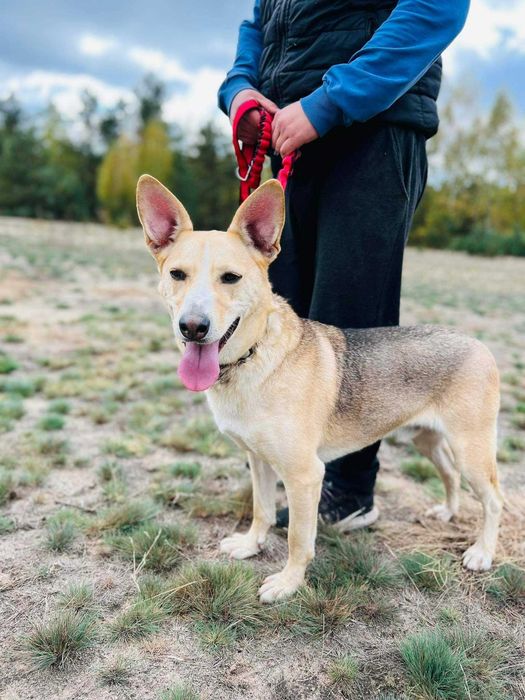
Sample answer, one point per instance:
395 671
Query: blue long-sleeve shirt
397 55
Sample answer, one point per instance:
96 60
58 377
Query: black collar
225 368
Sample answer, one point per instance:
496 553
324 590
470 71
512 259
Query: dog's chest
234 418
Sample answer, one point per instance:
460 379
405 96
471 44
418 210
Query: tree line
475 202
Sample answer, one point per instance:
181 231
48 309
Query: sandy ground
80 315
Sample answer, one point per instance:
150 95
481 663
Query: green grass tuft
353 560
199 435
59 406
78 597
6 525
317 612
114 671
217 592
427 571
182 691
60 640
12 409
51 421
157 546
188 470
141 619
343 672
419 469
7 485
460 664
507 584
124 517
7 364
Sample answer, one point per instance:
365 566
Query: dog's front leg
303 490
264 479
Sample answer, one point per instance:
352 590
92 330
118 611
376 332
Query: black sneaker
340 509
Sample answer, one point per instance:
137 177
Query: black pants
349 207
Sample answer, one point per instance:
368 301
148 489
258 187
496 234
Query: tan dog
295 393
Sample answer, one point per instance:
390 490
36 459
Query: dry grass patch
124 517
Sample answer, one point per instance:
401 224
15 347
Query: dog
294 393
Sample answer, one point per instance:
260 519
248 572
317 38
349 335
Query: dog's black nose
194 327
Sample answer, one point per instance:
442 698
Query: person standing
353 85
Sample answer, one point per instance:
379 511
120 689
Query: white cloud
488 29
92 45
198 102
64 89
159 63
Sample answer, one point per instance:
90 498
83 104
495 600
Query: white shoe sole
357 522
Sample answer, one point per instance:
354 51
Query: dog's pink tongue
199 366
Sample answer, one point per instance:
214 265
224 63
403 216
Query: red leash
250 158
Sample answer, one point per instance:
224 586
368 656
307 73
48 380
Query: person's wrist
242 96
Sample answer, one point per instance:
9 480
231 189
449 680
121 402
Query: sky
54 49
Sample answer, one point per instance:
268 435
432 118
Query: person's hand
249 124
291 129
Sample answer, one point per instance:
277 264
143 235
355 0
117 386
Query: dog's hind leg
303 490
434 447
475 455
264 480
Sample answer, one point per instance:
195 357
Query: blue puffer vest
302 39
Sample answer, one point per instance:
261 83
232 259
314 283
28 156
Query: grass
60 535
54 449
126 516
7 485
78 597
457 665
157 546
354 559
7 525
198 435
419 469
319 612
142 618
507 584
207 505
343 672
224 594
7 364
182 691
127 446
51 421
428 572
11 409
115 671
63 528
60 640
114 486
59 406
187 470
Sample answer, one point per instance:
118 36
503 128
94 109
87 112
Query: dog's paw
440 512
280 586
477 559
240 546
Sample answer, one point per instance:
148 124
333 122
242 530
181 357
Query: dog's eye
178 275
230 278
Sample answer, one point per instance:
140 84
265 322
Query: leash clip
244 178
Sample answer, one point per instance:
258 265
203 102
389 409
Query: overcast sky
53 49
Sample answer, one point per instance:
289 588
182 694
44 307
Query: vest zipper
282 24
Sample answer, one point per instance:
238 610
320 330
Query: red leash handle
250 158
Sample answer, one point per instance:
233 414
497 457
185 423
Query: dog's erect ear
260 219
161 214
